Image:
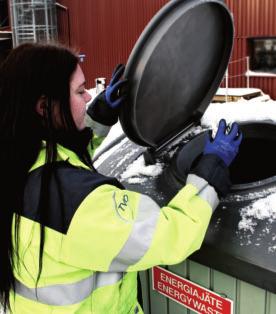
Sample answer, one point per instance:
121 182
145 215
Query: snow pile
137 172
264 208
240 111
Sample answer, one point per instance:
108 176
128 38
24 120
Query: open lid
175 69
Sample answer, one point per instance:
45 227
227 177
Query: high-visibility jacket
93 250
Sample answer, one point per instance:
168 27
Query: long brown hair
29 72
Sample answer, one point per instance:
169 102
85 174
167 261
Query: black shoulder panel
69 186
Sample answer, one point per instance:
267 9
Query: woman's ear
41 105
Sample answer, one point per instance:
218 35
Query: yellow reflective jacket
94 248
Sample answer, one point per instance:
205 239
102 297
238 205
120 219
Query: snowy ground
257 109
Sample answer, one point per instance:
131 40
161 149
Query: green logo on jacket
123 208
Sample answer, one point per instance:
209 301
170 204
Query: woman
73 240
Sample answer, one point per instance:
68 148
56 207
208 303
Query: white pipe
247 72
226 84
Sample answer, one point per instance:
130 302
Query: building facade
104 33
255 37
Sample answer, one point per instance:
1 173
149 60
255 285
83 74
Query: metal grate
33 21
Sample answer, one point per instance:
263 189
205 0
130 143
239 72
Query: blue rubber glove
114 93
225 145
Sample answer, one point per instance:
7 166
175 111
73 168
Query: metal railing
33 21
227 77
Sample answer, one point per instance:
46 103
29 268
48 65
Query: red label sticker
189 294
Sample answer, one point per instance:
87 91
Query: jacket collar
63 154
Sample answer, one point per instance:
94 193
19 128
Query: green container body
247 298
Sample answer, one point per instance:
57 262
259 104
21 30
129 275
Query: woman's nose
87 97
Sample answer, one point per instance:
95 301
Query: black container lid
175 69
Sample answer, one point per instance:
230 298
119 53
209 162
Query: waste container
174 71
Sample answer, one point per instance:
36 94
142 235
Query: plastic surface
175 69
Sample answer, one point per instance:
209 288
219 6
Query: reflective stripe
67 294
196 181
205 190
209 194
107 279
141 236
